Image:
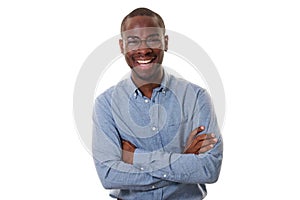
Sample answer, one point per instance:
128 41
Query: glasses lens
154 42
133 43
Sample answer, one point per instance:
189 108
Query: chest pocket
178 133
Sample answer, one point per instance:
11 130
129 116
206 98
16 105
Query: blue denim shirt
159 128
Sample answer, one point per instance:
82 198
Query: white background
254 44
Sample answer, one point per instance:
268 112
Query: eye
153 41
133 42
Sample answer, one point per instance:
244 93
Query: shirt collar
129 86
166 80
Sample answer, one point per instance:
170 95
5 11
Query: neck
147 86
148 89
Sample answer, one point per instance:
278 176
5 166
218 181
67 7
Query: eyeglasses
133 43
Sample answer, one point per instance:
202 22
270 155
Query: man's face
143 45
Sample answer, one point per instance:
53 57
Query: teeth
144 61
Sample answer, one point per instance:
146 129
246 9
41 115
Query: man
155 136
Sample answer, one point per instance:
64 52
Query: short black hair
143 12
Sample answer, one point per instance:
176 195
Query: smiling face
143 46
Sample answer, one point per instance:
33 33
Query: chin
147 72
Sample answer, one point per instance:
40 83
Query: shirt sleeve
187 168
107 155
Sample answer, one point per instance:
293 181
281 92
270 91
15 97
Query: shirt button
142 168
146 100
134 95
163 91
153 128
165 175
153 186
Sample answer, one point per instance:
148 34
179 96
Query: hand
127 151
201 143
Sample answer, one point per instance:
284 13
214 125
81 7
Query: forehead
141 26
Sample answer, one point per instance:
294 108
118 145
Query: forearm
116 174
187 168
182 168
113 178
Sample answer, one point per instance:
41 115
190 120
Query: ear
166 42
121 46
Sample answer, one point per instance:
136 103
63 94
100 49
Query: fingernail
213 135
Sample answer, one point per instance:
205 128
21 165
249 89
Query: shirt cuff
141 158
152 161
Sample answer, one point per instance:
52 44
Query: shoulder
111 92
183 84
103 100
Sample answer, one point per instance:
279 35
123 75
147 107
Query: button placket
153 128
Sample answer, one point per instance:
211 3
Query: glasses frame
140 41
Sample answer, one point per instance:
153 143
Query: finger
201 137
202 146
206 148
194 133
198 139
126 145
125 142
207 142
128 149
195 145
200 129
207 137
211 135
201 143
204 140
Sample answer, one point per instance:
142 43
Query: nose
143 48
143 44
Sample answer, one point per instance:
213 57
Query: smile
144 61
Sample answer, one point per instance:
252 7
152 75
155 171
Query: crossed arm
122 166
195 145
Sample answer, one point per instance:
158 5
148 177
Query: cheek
128 59
160 55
